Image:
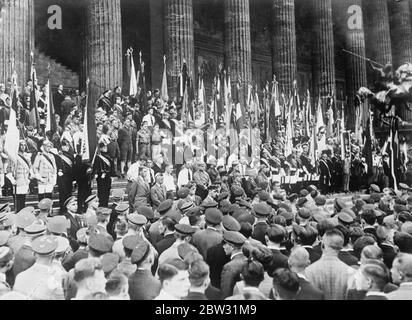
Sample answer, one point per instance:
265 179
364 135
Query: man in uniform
45 171
65 162
325 174
42 281
103 170
20 176
261 212
139 194
92 203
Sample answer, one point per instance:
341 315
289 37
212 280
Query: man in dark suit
211 236
142 284
158 191
231 271
64 163
307 237
324 173
58 98
167 228
275 236
216 258
261 212
75 222
298 261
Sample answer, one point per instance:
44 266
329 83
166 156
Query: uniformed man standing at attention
64 163
20 174
103 170
45 171
41 281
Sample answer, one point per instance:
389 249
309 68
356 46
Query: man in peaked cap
42 281
46 210
109 261
183 234
129 244
58 226
119 213
205 239
91 203
261 212
230 224
163 209
99 245
142 284
23 219
24 257
231 271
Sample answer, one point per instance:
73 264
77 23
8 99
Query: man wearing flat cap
231 271
42 281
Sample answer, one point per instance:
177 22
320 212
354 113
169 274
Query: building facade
304 40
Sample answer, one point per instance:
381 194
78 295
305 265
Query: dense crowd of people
193 228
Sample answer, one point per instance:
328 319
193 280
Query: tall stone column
238 52
179 40
377 30
401 31
323 50
354 42
156 42
284 43
16 39
104 39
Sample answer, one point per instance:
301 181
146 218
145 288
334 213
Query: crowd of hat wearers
193 231
223 248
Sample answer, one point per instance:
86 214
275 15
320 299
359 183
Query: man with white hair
329 274
298 262
402 274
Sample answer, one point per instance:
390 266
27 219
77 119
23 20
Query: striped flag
11 144
289 130
34 113
85 139
133 78
51 124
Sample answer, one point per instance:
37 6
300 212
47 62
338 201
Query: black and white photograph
205 150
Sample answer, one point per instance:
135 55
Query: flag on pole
51 124
143 97
319 116
85 140
275 97
228 100
164 91
11 144
289 130
34 115
133 79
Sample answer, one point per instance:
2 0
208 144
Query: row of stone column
103 40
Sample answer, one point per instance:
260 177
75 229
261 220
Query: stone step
32 199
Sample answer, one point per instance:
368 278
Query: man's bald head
403 266
299 259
